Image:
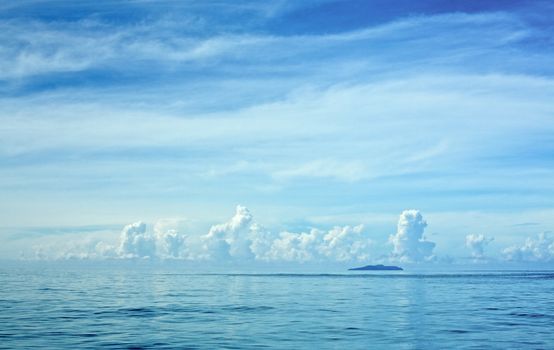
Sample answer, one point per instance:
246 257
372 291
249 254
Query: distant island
376 268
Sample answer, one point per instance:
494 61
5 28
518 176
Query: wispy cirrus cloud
172 45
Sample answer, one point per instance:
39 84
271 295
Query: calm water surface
154 309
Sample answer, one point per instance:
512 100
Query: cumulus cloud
242 238
135 242
233 238
170 244
476 243
346 243
341 243
164 242
409 243
238 239
540 249
290 246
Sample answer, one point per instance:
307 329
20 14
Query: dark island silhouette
376 268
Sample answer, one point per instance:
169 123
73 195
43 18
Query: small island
376 268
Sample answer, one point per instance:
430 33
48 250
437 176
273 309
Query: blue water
118 308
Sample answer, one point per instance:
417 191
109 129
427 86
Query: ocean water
122 308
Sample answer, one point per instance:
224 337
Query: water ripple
134 310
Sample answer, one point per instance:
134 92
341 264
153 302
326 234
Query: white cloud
239 239
346 243
242 238
341 243
170 244
540 249
409 243
233 238
290 246
135 242
38 47
165 242
476 243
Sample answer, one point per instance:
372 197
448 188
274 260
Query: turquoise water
120 308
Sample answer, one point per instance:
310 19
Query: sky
299 131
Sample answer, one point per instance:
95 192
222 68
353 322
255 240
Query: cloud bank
242 239
238 239
539 249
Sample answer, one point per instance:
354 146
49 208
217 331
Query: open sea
123 308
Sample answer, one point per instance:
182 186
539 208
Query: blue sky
312 114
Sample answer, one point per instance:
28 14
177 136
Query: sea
116 308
